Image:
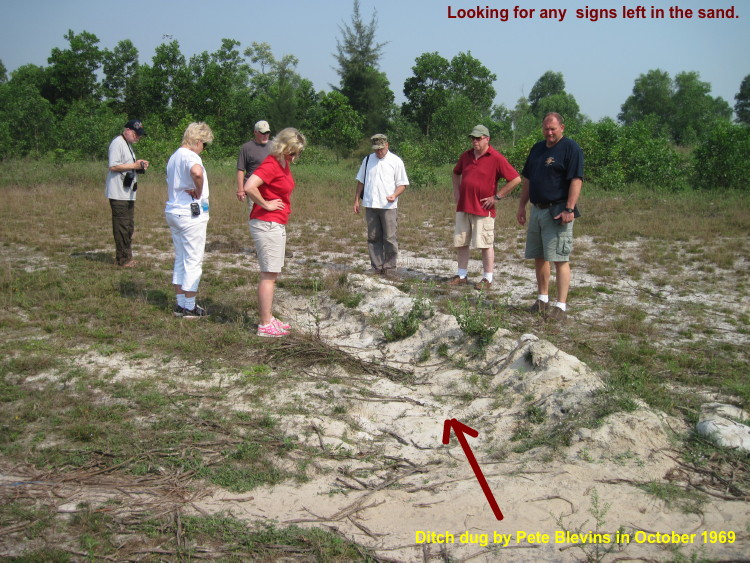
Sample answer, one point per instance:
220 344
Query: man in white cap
380 180
251 155
475 179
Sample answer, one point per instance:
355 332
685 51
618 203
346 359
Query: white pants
189 238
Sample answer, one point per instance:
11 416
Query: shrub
721 158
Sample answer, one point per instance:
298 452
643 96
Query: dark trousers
382 227
123 226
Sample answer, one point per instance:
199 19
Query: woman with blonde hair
187 216
270 188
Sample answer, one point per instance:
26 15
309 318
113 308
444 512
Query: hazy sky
600 60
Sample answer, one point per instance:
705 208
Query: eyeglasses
476 138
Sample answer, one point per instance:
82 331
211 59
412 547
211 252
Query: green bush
721 158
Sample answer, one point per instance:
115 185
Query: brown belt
541 205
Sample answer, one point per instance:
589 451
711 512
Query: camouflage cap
379 141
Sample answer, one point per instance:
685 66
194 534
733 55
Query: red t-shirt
277 184
479 179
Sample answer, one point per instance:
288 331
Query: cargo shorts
474 231
546 239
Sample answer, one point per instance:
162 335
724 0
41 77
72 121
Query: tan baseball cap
262 127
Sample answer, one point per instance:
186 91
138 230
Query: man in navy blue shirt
552 180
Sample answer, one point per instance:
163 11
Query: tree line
71 108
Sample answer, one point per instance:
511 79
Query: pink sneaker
271 330
282 325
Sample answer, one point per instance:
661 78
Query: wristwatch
569 210
498 198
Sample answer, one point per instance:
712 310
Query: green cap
479 131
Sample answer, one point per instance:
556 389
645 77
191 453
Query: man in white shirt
380 180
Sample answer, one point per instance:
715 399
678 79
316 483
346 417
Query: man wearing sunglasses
475 180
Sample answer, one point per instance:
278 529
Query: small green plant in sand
405 326
595 544
478 322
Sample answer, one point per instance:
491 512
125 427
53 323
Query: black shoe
178 311
196 313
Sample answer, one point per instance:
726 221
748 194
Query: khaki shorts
546 239
270 244
474 231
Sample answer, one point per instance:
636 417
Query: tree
30 75
369 93
548 95
742 104
549 84
281 95
695 110
436 79
451 126
468 77
652 95
682 107
563 103
72 72
164 84
358 56
26 120
427 90
3 73
524 121
120 68
338 125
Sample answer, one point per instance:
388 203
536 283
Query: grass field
659 304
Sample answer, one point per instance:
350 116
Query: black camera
142 169
195 209
129 179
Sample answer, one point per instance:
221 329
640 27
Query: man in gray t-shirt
251 155
121 186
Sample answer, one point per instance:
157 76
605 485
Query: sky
600 60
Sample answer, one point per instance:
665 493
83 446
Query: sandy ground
428 504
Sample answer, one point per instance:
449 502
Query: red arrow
460 429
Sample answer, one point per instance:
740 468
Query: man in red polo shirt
475 179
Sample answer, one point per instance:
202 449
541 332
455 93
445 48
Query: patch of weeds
300 286
535 414
342 293
408 324
675 497
480 323
631 320
94 530
424 355
626 457
598 543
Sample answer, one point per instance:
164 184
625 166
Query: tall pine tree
366 87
